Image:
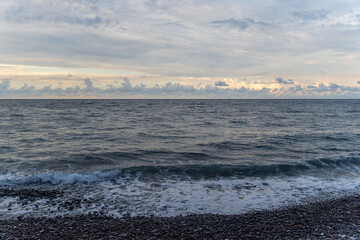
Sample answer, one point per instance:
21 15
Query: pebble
318 220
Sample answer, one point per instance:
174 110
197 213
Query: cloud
127 89
349 89
241 24
174 87
311 15
170 89
89 84
358 82
5 83
126 84
55 12
221 84
296 89
204 39
332 88
320 88
26 89
282 81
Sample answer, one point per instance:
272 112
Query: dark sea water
172 157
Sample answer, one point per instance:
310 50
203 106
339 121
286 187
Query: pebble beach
329 219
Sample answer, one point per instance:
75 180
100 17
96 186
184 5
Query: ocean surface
174 157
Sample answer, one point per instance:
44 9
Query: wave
318 167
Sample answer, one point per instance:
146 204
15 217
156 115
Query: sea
174 157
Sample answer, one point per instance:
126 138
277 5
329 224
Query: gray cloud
170 89
332 88
296 89
56 12
26 89
182 38
89 85
349 89
5 83
221 84
241 24
127 89
126 84
358 82
174 87
321 88
311 15
282 81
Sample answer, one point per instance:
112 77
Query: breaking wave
319 167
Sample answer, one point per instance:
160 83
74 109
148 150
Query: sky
179 49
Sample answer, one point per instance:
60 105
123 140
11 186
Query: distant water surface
171 157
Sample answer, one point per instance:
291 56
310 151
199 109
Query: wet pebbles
336 219
29 194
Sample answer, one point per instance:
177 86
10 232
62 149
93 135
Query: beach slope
335 218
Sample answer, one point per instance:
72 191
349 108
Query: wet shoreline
333 218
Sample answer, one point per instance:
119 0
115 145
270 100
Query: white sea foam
173 197
340 165
57 177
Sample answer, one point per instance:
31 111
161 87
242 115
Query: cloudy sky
179 49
